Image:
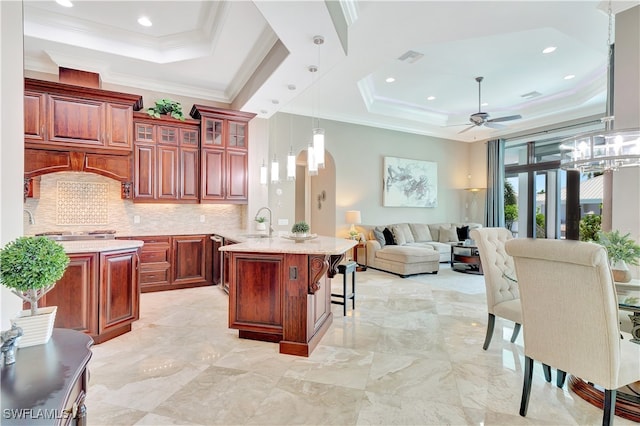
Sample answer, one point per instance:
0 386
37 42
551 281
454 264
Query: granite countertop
281 244
93 246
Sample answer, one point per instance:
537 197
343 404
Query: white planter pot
261 226
37 329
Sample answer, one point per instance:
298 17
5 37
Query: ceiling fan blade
457 125
467 129
495 125
507 118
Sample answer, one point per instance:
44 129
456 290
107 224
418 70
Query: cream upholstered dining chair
503 298
570 312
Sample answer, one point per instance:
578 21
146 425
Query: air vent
531 95
411 56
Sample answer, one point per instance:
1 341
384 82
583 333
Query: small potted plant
30 267
260 223
166 106
300 229
622 250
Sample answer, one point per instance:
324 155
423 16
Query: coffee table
628 399
466 258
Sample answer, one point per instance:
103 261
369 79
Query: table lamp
353 217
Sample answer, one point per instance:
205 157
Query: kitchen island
99 291
280 289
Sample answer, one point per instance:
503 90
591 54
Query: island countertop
280 244
98 246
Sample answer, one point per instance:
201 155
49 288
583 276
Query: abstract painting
409 183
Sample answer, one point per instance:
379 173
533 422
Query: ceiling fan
482 118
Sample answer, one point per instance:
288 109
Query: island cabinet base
280 297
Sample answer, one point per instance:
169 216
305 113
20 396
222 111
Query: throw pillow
448 235
379 236
388 237
398 235
463 233
406 231
420 232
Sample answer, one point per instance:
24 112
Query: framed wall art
409 183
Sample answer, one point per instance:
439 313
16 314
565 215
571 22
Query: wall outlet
202 218
283 222
136 219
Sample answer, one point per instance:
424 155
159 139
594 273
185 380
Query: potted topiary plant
30 267
260 223
621 250
166 106
300 229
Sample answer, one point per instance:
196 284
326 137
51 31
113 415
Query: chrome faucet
270 217
32 221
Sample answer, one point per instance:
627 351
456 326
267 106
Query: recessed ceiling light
65 3
569 77
144 21
390 80
549 49
431 98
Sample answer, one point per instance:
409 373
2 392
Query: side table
465 258
362 266
47 384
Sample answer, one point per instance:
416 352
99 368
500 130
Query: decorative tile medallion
82 203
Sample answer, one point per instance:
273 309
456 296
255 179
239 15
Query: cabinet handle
42 130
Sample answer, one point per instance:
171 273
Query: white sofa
417 248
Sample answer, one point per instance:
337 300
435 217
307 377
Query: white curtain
494 213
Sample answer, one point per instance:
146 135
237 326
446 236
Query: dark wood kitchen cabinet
191 259
34 116
223 151
61 116
169 262
76 294
155 263
225 273
166 160
75 128
98 294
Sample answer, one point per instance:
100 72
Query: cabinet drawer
154 240
154 256
148 277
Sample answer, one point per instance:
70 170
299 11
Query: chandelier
601 150
604 149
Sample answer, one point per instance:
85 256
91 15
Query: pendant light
263 173
312 165
318 132
275 170
291 165
291 157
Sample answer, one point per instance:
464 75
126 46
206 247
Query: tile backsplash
75 201
82 203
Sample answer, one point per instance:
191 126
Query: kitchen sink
255 235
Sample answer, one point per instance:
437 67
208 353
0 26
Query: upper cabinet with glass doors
223 153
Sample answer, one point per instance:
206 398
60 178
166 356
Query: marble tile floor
410 354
